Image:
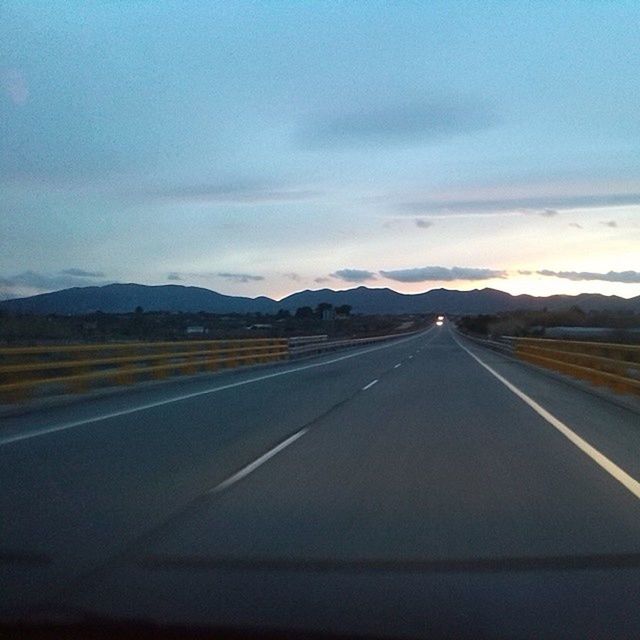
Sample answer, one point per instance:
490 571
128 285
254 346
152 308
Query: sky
261 148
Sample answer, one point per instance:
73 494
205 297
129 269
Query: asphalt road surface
421 488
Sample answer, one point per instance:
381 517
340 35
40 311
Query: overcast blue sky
265 147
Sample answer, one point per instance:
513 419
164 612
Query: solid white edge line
116 414
609 466
245 471
368 386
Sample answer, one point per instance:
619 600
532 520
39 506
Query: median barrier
75 368
40 370
306 348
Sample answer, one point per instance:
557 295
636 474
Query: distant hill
365 300
122 298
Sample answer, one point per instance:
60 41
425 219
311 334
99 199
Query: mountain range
122 298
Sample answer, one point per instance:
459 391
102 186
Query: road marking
245 471
370 385
160 403
410 357
609 466
397 365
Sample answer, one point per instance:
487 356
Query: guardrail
75 368
318 346
601 363
301 340
490 343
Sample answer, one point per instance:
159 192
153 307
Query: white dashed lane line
245 471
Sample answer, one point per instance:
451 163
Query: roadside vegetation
139 325
573 323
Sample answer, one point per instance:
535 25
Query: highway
423 486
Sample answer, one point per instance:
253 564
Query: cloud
293 276
628 277
207 275
81 273
240 193
430 274
610 223
395 221
240 277
546 206
30 283
15 86
354 275
544 212
321 279
407 124
575 225
525 272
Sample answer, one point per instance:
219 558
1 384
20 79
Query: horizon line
355 287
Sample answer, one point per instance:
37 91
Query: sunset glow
340 144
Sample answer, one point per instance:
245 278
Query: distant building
195 330
329 314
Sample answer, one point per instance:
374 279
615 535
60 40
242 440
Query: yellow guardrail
76 367
601 363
